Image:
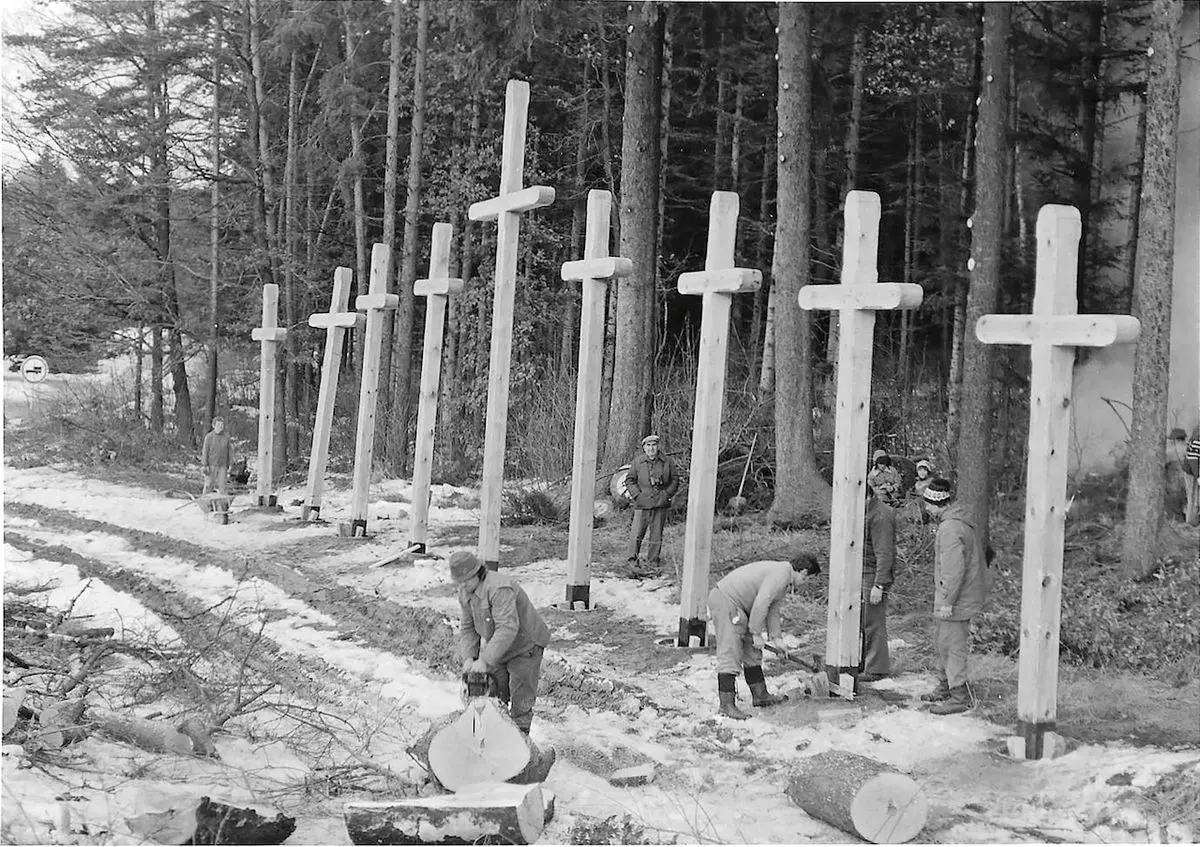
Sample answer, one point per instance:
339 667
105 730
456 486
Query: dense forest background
178 155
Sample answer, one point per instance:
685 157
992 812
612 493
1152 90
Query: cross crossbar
879 297
724 281
337 320
372 301
269 334
525 200
604 267
1057 330
442 287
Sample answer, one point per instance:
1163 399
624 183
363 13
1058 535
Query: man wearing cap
746 609
501 634
961 580
884 478
650 484
879 561
924 476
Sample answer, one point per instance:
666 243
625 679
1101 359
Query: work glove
760 641
466 665
478 666
943 612
876 595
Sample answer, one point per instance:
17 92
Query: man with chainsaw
650 484
879 562
746 610
961 581
501 634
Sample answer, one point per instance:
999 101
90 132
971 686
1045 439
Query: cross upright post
376 303
335 322
857 298
270 335
716 285
593 271
1052 332
505 209
436 290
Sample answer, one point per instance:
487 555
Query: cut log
488 813
480 745
860 796
200 734
419 749
154 736
59 724
541 759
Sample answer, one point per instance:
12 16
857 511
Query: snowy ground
717 781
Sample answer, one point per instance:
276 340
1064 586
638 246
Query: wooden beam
1063 331
437 289
593 271
269 336
716 285
335 322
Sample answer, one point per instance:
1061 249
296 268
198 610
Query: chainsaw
476 685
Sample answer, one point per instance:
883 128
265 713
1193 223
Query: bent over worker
746 610
501 634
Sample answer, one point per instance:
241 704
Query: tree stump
485 813
221 823
860 796
482 744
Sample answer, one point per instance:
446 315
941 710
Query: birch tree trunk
1152 294
799 489
361 279
975 442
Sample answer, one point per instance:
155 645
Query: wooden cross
716 285
437 290
856 299
506 210
1052 332
376 302
335 322
593 271
270 335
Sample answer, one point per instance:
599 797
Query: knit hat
924 463
650 439
881 456
938 492
463 565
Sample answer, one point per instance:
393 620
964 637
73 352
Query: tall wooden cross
376 303
270 335
594 271
716 285
856 299
335 322
505 209
1053 332
436 290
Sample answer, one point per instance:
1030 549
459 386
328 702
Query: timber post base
353 529
492 564
1036 740
692 628
311 514
270 501
415 548
579 594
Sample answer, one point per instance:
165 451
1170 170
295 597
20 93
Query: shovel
819 683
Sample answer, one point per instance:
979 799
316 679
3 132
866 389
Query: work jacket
651 483
215 452
879 545
758 590
961 575
498 621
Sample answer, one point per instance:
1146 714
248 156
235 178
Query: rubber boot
942 692
758 688
727 692
959 700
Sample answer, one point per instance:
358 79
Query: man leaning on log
501 634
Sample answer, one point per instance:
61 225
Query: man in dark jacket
650 484
501 634
961 581
879 563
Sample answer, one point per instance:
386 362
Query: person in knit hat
501 634
885 479
961 582
925 475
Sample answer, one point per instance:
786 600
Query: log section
860 796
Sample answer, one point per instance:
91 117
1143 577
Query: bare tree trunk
361 280
402 402
759 317
571 295
139 354
659 333
214 231
799 489
1152 294
156 378
974 455
632 389
289 264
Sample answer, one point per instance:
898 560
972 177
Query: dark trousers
648 524
874 634
517 685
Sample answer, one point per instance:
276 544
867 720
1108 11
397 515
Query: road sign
35 369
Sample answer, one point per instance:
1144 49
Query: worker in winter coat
650 484
501 634
879 563
961 581
885 479
746 610
215 455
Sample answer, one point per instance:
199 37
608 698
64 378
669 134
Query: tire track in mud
425 636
